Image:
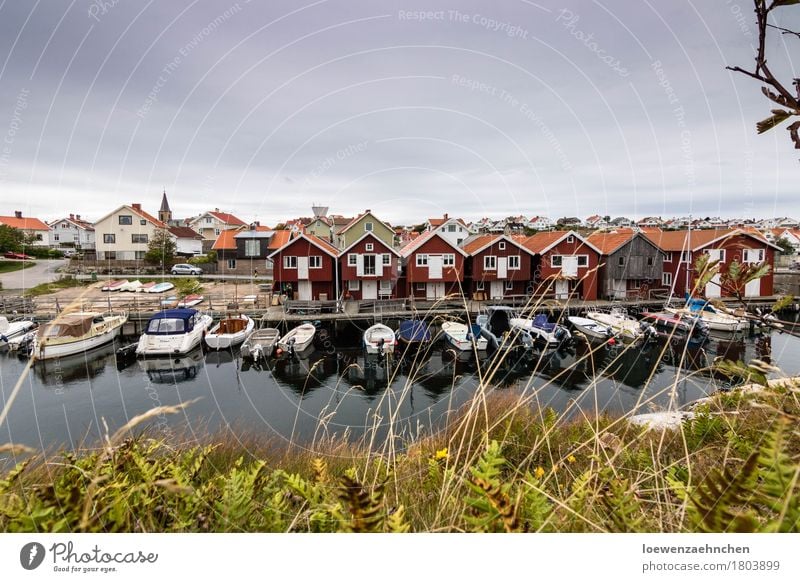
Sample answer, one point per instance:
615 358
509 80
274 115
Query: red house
369 269
308 264
682 247
497 265
434 266
565 264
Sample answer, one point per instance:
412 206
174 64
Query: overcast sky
472 108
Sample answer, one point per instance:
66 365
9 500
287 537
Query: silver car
186 269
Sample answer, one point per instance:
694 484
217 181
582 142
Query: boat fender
278 351
612 341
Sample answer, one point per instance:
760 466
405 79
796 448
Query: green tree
786 246
11 239
161 249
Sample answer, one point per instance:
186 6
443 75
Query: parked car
20 256
186 269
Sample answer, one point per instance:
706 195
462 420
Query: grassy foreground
11 266
499 467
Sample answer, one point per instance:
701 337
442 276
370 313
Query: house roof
225 241
314 240
541 242
681 240
24 223
362 237
608 242
474 245
80 223
280 238
354 221
147 216
437 222
226 218
424 237
184 232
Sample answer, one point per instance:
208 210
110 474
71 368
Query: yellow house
365 222
320 227
125 234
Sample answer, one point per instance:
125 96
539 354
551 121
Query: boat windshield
165 326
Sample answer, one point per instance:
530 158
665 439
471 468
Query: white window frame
501 245
387 259
479 285
231 263
666 279
449 260
451 228
514 259
249 251
668 257
288 260
370 247
720 253
422 260
553 261
583 261
761 256
315 262
368 227
570 239
686 257
352 260
420 286
509 285
385 285
490 262
353 285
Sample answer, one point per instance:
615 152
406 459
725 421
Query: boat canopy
171 321
414 330
73 325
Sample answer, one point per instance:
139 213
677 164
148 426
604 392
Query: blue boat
413 331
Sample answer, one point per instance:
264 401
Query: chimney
137 206
18 213
216 210
72 217
78 216
445 216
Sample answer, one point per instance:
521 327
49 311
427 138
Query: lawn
11 266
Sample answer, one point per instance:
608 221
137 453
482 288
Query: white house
454 230
33 227
72 233
125 233
540 223
209 224
187 242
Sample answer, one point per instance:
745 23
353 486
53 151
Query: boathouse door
434 291
304 290
712 287
369 289
562 289
502 267
302 267
434 267
496 289
753 288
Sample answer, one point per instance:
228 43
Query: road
43 272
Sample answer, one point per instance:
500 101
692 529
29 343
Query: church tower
164 213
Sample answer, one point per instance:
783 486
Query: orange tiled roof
280 238
225 241
608 242
541 240
480 242
678 240
24 223
226 218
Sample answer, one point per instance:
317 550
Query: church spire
164 213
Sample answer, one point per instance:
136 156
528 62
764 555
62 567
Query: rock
661 420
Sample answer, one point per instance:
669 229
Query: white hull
170 344
624 328
379 339
536 332
457 334
715 321
261 343
80 345
221 341
14 330
299 338
590 327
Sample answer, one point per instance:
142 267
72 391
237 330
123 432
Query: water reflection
174 370
76 368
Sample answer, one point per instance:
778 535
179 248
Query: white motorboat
540 328
173 331
230 331
625 328
298 339
261 343
591 328
712 317
77 332
10 331
379 339
464 338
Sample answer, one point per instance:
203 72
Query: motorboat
191 300
173 331
712 317
496 326
298 339
76 332
261 343
624 327
464 338
413 331
676 322
10 330
130 286
379 339
590 328
115 285
229 331
160 287
540 328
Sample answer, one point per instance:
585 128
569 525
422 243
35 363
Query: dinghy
379 339
191 300
261 343
130 286
298 339
114 285
464 338
160 287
